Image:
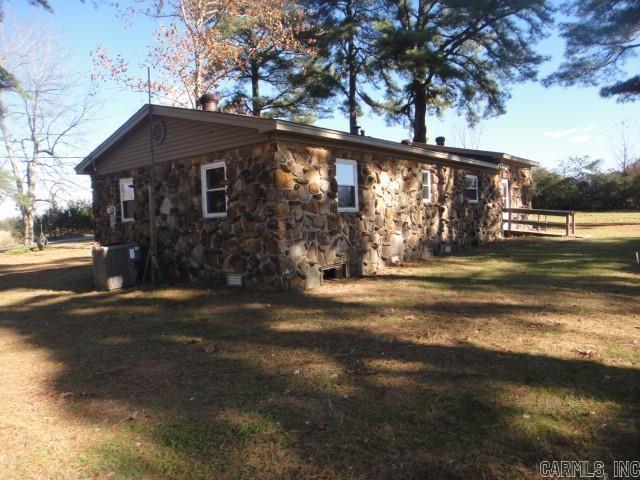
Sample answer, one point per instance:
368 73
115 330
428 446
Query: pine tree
252 56
433 55
603 36
274 53
346 33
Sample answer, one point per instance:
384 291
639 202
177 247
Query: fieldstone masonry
283 226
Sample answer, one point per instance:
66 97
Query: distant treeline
579 184
57 222
75 218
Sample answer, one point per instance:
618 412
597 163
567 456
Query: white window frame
126 181
471 200
506 201
354 164
203 183
428 172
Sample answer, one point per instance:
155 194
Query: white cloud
560 133
580 139
571 135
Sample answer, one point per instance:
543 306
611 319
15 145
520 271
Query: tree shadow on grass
529 267
214 383
50 275
213 373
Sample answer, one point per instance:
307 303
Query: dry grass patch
472 366
6 239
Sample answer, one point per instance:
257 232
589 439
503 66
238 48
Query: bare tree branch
48 114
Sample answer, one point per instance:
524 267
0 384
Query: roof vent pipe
361 132
440 141
207 102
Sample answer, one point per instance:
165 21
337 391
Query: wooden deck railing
539 223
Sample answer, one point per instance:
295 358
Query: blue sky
543 124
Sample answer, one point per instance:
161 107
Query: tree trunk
420 112
352 103
256 106
27 227
32 181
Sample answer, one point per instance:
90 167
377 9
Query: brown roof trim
497 156
269 125
370 144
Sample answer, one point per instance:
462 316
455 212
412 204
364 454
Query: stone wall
193 248
520 181
393 224
283 227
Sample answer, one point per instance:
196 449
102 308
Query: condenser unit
115 266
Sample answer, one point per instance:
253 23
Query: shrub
587 190
76 218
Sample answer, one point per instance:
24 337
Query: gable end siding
183 138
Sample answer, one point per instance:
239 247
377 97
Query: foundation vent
234 280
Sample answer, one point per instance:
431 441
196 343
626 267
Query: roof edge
387 145
263 125
112 139
500 156
269 125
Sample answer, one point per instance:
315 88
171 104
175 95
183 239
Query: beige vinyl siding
183 138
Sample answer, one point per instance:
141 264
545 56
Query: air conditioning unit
115 266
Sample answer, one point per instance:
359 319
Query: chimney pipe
440 141
361 132
207 102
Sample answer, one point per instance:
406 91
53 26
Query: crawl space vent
234 280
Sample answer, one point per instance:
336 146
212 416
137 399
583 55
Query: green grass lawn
478 365
607 217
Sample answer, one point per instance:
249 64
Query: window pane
126 190
216 202
346 196
346 174
471 182
426 186
471 194
127 209
215 178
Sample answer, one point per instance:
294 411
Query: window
127 197
214 190
524 196
506 195
426 186
347 177
471 188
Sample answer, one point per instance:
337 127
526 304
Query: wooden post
568 221
573 223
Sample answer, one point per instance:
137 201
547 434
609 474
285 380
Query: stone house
277 205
